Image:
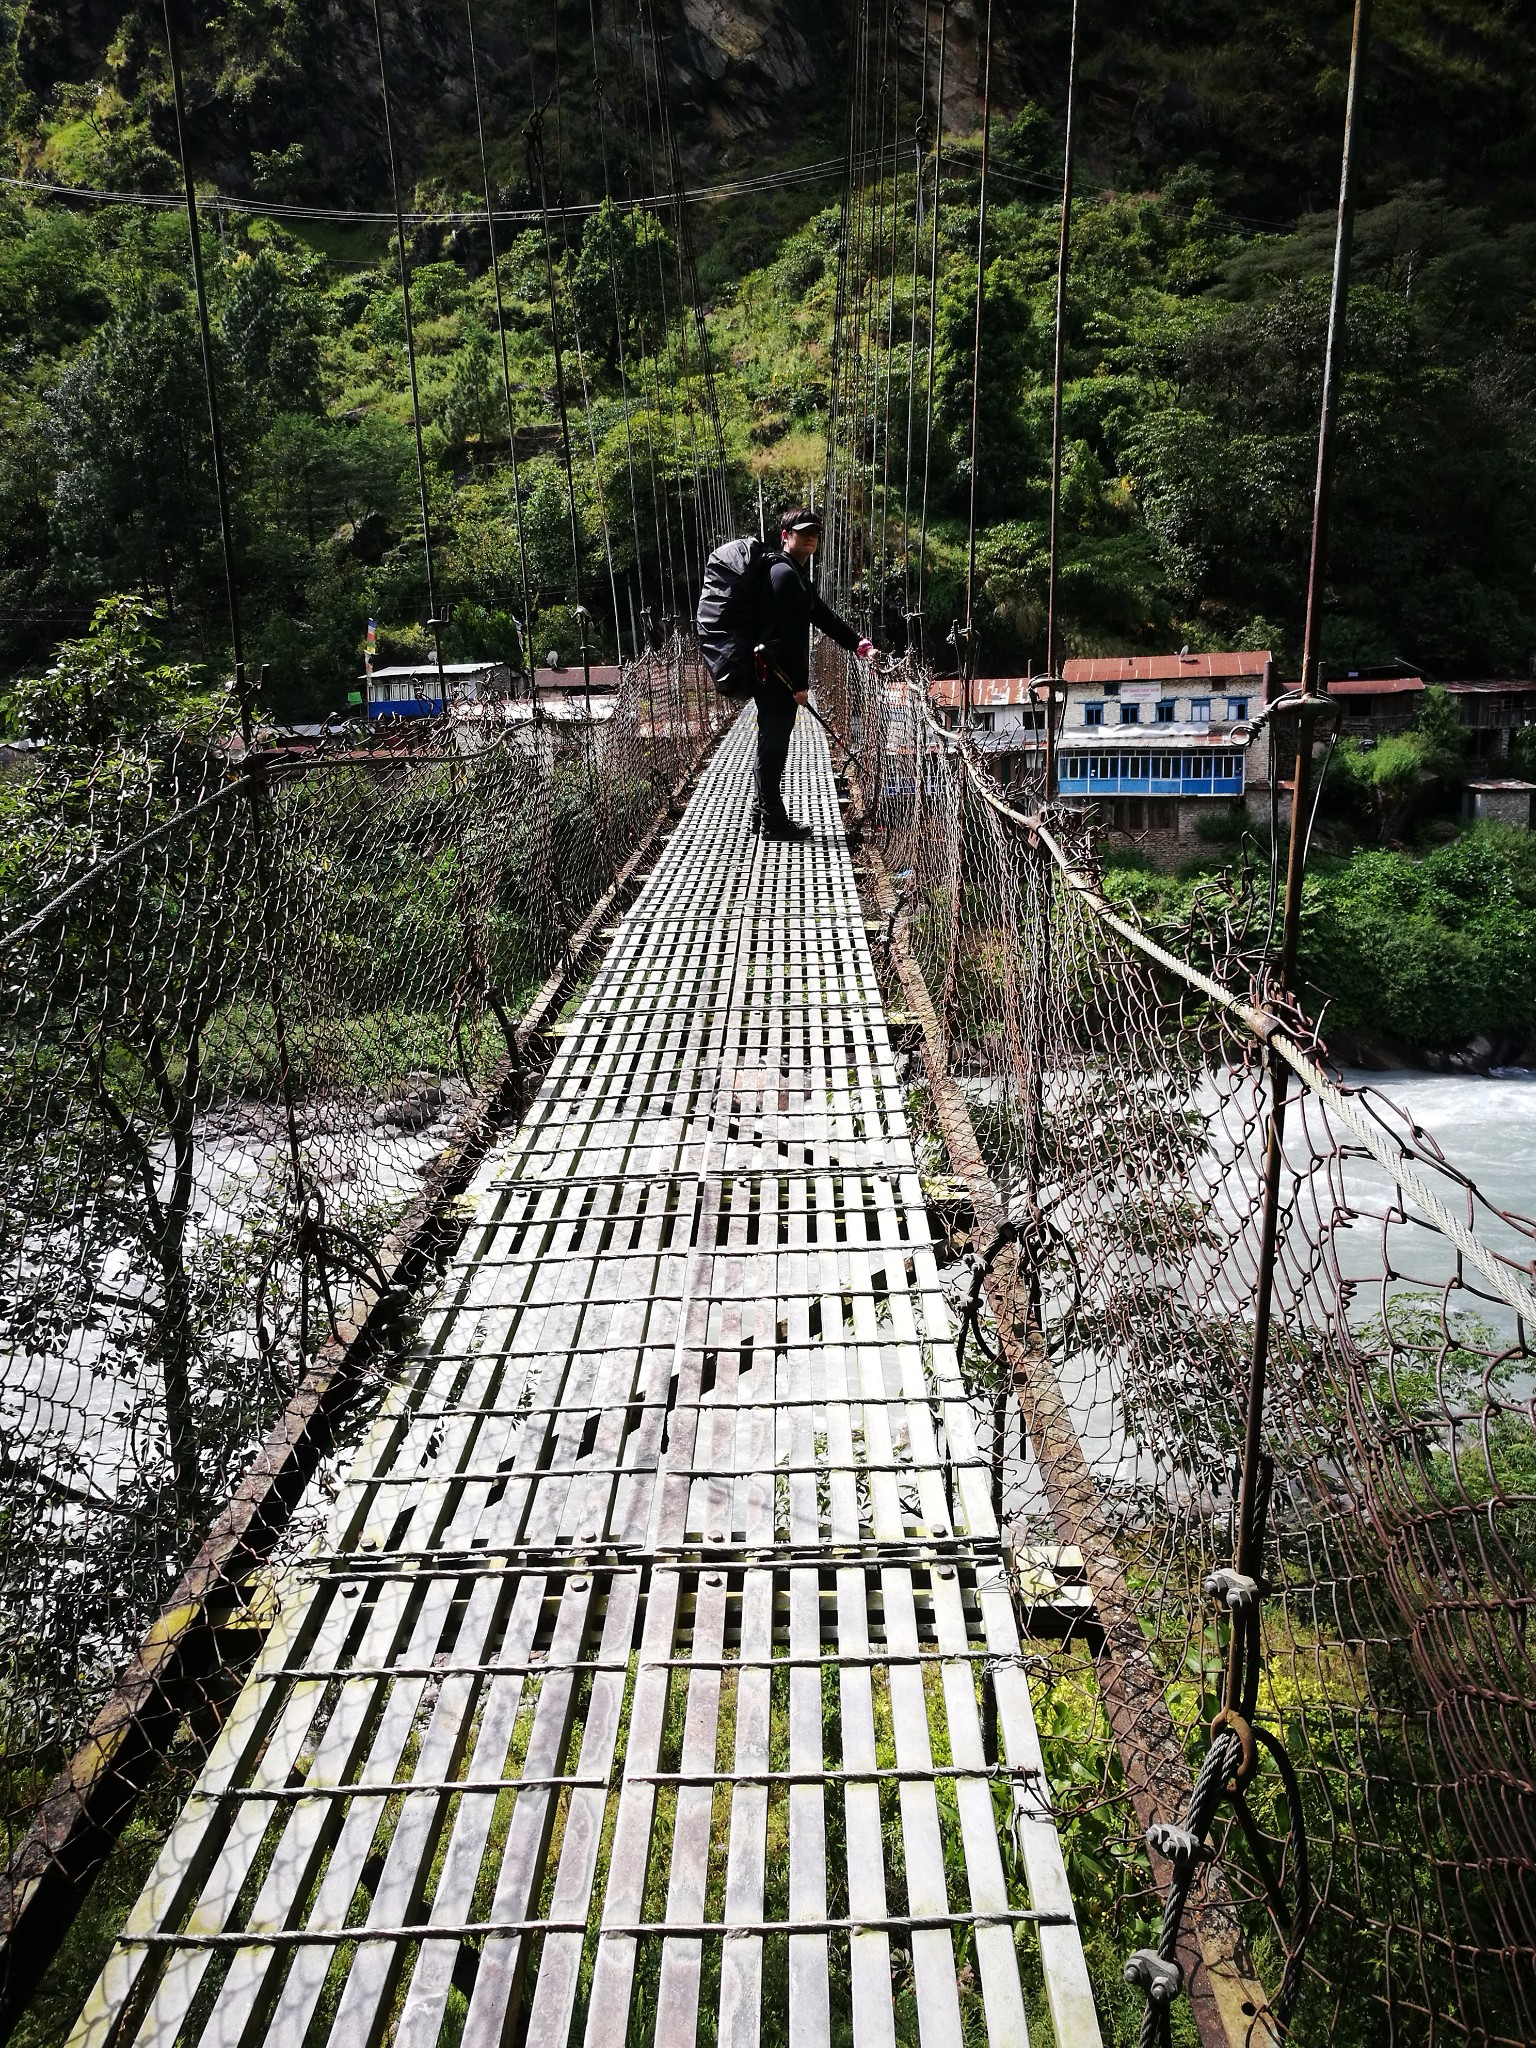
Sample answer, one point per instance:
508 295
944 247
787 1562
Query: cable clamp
1161 1979
1235 1589
1182 1847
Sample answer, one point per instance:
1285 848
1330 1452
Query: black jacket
790 609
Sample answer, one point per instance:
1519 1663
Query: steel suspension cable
534 135
434 622
968 665
918 138
618 315
501 331
205 335
933 316
1063 260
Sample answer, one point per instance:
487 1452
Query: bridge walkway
641 1686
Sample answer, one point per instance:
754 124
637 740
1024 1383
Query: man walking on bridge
790 608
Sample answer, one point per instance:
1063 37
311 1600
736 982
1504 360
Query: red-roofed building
1153 741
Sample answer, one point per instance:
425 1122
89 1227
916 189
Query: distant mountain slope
285 96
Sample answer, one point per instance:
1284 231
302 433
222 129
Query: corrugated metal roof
605 676
450 668
1165 668
1491 689
988 693
1383 686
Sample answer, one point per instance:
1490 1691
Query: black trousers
776 710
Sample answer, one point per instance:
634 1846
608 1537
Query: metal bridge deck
640 1689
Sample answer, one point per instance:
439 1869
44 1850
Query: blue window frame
1237 707
1130 714
1203 772
1200 710
1093 714
1166 708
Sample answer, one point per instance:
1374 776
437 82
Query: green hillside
1203 239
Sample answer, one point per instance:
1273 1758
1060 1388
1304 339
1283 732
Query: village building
1154 742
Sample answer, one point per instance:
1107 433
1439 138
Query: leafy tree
109 684
1389 779
609 286
134 496
271 323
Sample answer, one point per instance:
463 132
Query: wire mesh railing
1375 1719
247 1001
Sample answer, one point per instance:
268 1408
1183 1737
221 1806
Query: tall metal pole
1250 1530
1063 260
968 665
215 425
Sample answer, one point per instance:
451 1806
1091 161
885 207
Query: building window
1093 714
1165 710
1237 707
1200 710
1130 714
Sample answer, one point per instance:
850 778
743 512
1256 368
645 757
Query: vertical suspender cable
890 320
434 623
918 138
581 365
215 424
1241 1680
534 134
501 330
618 326
968 666
1338 306
933 314
1063 258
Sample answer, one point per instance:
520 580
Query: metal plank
685 1380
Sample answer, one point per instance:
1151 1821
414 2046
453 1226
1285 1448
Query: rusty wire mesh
240 1017
1384 1864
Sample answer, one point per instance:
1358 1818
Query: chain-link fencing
1372 1684
249 1001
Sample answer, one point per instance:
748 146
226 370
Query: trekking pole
829 729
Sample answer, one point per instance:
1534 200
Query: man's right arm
827 621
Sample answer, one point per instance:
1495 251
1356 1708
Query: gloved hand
865 649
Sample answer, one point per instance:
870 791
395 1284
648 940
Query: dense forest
1202 244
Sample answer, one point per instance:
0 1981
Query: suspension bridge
612 1431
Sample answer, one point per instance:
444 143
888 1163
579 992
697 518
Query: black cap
798 520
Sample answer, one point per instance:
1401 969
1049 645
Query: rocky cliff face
284 96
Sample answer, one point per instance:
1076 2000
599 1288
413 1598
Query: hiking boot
785 832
